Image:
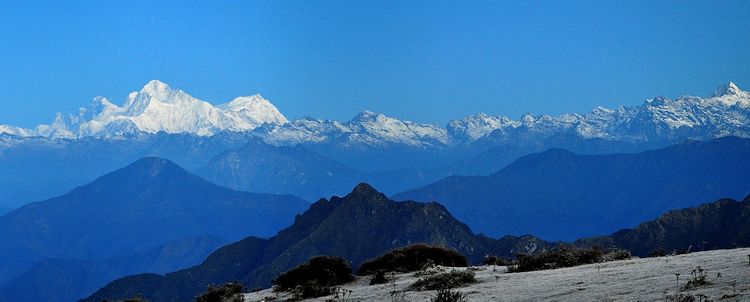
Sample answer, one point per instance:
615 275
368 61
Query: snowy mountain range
159 108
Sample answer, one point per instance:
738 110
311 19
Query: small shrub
681 298
320 271
698 278
315 278
616 255
448 295
564 257
450 279
495 260
340 294
378 278
229 292
310 290
429 271
413 258
659 252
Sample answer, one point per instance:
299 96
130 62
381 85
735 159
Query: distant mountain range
395 155
375 225
159 108
517 180
359 226
149 215
561 195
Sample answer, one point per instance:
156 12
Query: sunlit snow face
159 108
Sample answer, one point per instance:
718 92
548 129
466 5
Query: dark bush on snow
448 295
413 258
616 255
659 252
445 280
311 290
229 292
317 274
565 257
495 260
378 278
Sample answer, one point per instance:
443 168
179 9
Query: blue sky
427 61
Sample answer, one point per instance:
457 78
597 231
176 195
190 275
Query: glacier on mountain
159 108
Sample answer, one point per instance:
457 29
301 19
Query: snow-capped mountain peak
728 89
157 89
160 108
726 112
252 111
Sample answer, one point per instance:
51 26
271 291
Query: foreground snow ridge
640 279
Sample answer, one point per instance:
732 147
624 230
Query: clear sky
427 61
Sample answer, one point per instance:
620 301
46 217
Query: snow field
638 279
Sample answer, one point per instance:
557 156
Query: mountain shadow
560 195
722 224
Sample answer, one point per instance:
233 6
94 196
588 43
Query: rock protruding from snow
159 108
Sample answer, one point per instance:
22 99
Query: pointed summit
367 115
728 89
364 192
154 166
156 88
245 102
364 189
148 171
254 110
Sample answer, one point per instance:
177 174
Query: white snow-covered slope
367 128
645 279
159 108
17 131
